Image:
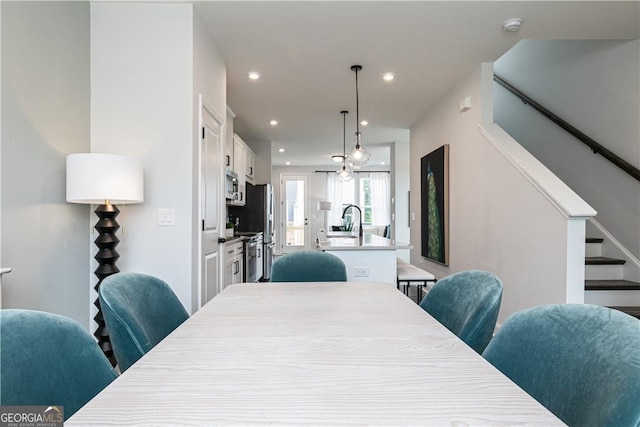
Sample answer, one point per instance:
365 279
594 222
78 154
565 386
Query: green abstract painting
434 180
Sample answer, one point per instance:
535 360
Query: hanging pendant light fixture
344 174
358 157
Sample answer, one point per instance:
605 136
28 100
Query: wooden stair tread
611 285
594 240
601 260
631 311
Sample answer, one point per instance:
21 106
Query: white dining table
300 354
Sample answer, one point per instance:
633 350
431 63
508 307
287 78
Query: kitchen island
372 258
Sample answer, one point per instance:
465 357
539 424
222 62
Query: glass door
295 212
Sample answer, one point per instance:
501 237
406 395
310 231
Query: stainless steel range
252 252
257 216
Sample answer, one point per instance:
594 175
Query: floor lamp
324 206
104 180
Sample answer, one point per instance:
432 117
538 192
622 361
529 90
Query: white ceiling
304 51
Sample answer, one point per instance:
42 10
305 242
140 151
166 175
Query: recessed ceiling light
512 25
338 158
273 122
364 123
254 75
388 77
382 163
287 163
281 150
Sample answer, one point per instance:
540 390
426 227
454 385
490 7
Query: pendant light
344 174
358 157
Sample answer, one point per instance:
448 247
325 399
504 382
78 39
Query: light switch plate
361 272
166 217
465 104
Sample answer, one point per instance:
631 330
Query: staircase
605 284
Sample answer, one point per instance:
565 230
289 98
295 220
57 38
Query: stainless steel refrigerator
257 216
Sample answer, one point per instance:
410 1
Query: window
365 201
369 191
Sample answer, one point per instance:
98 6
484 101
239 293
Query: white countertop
350 242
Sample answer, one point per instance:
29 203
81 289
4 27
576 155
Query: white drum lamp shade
95 178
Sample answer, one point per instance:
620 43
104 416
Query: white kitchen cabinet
250 171
233 262
239 256
229 267
228 140
239 166
243 163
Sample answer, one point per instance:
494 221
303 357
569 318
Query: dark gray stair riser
611 285
600 260
594 240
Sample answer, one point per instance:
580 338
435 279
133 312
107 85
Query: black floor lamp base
107 257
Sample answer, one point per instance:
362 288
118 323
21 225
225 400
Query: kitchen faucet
344 212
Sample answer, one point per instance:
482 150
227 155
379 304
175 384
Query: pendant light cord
344 138
357 68
358 157
357 105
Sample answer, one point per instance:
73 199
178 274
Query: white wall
595 86
142 105
210 73
45 116
210 80
499 221
1 265
400 184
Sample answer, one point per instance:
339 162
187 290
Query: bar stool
408 274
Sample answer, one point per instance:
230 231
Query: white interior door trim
205 109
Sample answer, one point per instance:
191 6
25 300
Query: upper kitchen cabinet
250 166
239 158
228 140
239 166
244 161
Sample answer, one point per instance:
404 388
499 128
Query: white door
211 195
294 214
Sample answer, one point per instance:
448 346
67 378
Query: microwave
231 185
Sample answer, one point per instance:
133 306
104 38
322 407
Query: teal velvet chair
140 311
51 360
466 303
308 266
582 362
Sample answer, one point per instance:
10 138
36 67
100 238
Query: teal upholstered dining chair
582 362
49 360
140 311
308 266
466 303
